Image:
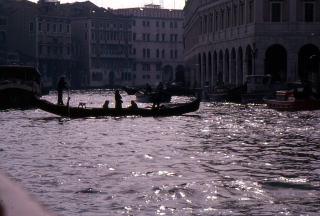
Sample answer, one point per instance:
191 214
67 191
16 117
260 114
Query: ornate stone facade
157 44
226 40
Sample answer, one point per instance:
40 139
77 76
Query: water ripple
225 159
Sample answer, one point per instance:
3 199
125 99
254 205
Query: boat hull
296 105
78 112
16 98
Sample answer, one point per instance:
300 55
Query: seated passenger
133 105
106 104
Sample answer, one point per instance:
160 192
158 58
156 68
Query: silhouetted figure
118 99
106 105
160 87
148 88
62 84
156 98
133 105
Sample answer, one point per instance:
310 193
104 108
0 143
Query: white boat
18 86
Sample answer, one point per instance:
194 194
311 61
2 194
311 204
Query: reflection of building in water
157 44
226 40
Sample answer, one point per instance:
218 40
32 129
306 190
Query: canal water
225 159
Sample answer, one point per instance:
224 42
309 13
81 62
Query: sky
171 4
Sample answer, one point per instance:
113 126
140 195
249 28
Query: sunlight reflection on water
225 159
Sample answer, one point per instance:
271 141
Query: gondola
79 112
143 97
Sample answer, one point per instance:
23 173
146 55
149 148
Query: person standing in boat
62 84
118 99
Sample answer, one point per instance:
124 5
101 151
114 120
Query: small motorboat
81 112
286 101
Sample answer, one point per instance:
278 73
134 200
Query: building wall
3 36
157 43
226 40
105 49
54 48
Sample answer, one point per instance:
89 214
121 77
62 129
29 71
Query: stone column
292 65
258 11
259 62
292 10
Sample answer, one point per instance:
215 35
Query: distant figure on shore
62 84
118 99
134 105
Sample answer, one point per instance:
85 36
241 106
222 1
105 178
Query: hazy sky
177 4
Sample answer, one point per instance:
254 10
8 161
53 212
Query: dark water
225 159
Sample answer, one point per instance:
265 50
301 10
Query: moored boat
80 112
130 90
285 101
18 86
144 97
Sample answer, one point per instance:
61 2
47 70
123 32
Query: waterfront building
157 44
40 35
104 41
227 40
54 48
3 36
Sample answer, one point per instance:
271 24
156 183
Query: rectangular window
2 36
235 15
251 7
276 8
31 27
40 27
308 12
3 21
148 53
163 37
40 49
158 66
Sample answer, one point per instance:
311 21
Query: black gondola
79 112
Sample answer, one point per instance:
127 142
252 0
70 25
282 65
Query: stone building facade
105 43
227 40
157 44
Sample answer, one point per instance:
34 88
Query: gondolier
62 84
